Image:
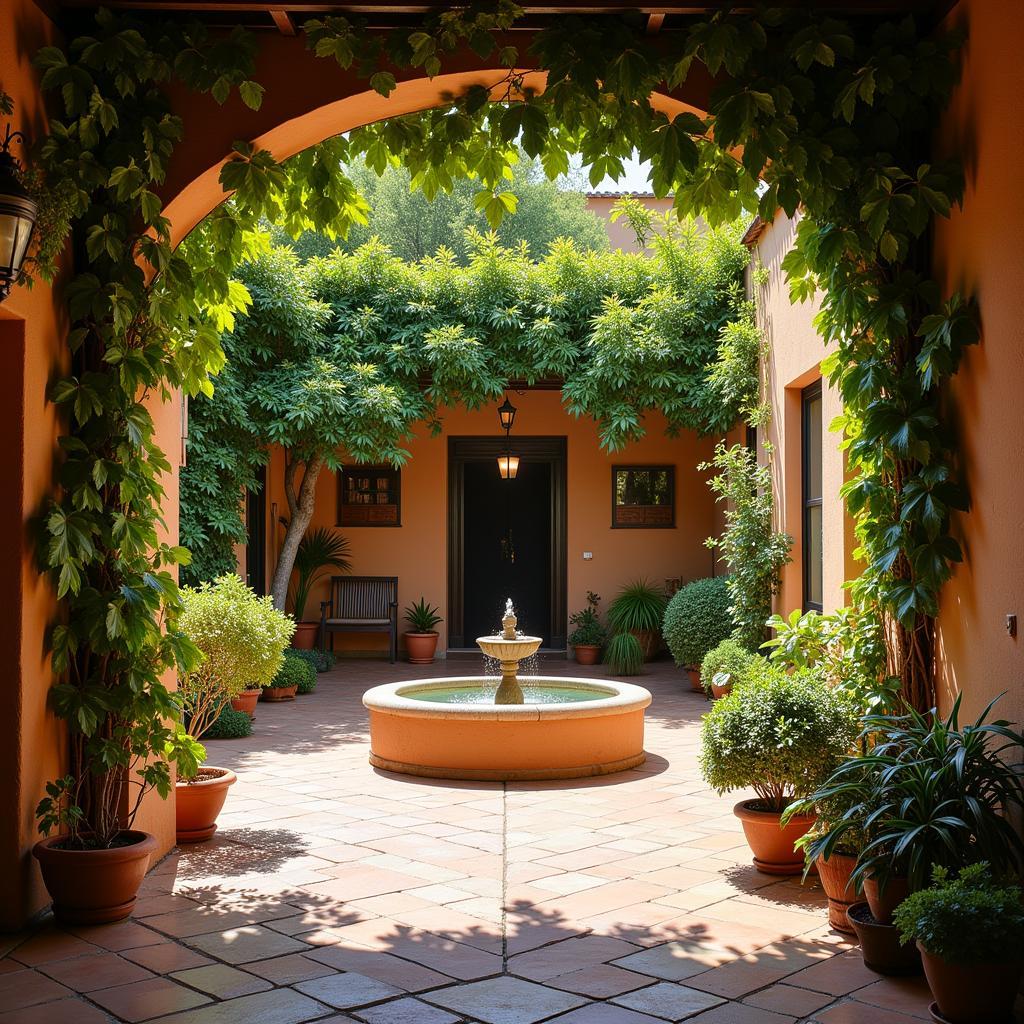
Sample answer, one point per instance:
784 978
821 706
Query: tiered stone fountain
537 727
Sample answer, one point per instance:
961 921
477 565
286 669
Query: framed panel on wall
369 496
643 497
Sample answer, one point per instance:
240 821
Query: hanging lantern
508 466
506 415
17 217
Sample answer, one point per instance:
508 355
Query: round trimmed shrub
229 725
308 682
697 620
729 656
293 672
779 734
322 661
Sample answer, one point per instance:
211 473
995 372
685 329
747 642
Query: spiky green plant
319 550
624 654
637 606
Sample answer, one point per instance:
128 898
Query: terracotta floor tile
407 1011
95 971
144 1000
837 976
26 988
504 1001
286 970
392 970
279 1006
901 995
119 936
222 981
738 1013
852 1012
797 1002
73 1011
51 945
599 981
251 942
166 957
666 999
347 991
605 1013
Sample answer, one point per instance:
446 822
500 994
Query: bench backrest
364 597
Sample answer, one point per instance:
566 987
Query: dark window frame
809 395
363 470
670 469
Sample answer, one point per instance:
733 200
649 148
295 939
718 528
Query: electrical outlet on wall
588 556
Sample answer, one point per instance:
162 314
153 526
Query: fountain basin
428 728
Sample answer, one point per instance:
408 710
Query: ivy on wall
836 117
625 334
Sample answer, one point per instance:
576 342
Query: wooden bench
361 604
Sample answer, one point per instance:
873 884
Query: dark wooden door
506 539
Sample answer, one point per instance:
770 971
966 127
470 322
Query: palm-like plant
638 606
319 550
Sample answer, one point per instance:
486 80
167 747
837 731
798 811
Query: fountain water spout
509 648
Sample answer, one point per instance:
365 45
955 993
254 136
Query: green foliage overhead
752 549
414 227
342 356
698 619
969 919
779 734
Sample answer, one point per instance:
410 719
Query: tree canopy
341 356
415 227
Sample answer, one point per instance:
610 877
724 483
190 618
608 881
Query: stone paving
336 893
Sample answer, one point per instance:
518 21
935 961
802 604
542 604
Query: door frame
256 533
552 450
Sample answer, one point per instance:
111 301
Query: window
812 528
369 496
643 497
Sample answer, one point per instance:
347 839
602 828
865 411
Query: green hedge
229 725
697 620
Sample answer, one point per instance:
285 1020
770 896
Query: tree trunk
300 507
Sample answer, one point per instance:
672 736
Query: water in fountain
530 666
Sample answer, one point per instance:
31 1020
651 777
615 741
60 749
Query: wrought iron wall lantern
508 464
17 216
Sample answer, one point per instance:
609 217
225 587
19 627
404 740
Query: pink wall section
416 551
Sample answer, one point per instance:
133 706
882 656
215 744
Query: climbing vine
835 117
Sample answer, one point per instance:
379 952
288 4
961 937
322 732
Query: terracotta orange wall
416 552
978 251
795 351
620 234
32 749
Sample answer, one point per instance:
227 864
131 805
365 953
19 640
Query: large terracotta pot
720 691
587 654
649 640
841 892
695 684
94 886
420 647
773 845
278 693
246 701
198 803
884 901
982 993
305 635
880 944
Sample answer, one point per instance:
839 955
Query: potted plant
723 666
319 550
284 684
624 655
241 638
307 682
697 620
421 639
589 636
970 932
779 734
638 608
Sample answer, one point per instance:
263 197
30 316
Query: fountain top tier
509 647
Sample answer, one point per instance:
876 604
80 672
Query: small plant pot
841 892
773 844
305 635
718 692
198 803
884 902
246 701
587 654
650 642
420 647
278 693
94 886
880 944
695 684
982 993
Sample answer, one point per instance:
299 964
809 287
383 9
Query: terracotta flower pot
650 642
420 647
198 803
982 993
884 901
717 691
246 701
587 654
880 944
841 892
305 635
695 684
94 886
272 693
772 844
